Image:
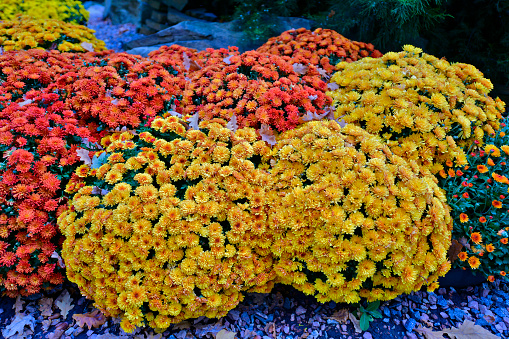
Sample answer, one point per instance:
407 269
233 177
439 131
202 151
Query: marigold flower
474 262
463 217
463 256
490 248
504 241
476 237
496 204
490 162
482 168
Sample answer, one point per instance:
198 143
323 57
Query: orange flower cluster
172 225
118 90
38 141
177 59
351 219
22 71
323 48
257 88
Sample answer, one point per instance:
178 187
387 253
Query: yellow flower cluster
351 219
25 33
427 109
180 231
63 10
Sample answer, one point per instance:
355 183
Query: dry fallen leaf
429 333
194 121
83 155
224 334
469 330
45 306
64 304
55 255
356 323
340 316
267 135
17 326
332 86
91 319
18 305
189 64
300 68
232 124
88 46
454 250
489 318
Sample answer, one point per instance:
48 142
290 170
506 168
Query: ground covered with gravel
289 314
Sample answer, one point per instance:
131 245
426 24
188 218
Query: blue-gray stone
270 317
456 314
387 311
315 334
332 322
332 304
482 322
287 304
245 317
501 312
441 301
410 324
415 298
386 320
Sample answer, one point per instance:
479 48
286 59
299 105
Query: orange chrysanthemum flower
462 256
463 217
504 241
476 237
490 248
482 219
490 162
482 168
500 178
491 278
474 262
496 204
451 173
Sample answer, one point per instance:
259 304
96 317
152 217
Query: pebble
300 310
424 317
473 304
444 315
367 335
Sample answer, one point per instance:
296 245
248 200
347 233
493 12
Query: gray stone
156 25
424 317
122 11
201 13
367 335
177 4
300 310
473 304
158 16
174 17
444 315
218 35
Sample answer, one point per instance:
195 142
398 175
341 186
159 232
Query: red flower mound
258 88
38 141
118 90
22 71
177 59
322 47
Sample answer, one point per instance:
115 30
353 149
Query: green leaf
364 322
376 314
373 306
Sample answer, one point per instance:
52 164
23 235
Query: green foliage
387 24
368 313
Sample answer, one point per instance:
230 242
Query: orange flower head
482 219
476 237
465 195
496 204
500 178
463 217
482 168
502 273
491 278
463 256
451 173
474 262
504 241
490 248
490 162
